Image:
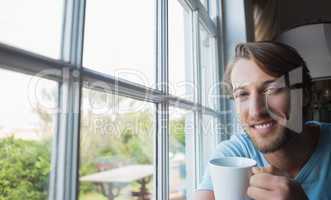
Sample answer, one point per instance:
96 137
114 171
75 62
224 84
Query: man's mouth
263 127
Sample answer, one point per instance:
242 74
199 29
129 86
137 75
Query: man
271 87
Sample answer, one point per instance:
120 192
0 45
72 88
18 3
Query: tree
24 169
177 135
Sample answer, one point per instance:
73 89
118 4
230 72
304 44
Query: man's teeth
267 125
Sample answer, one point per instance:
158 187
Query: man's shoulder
323 125
237 145
237 139
325 133
326 126
325 129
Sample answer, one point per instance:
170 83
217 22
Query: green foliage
177 130
24 169
127 139
93 196
86 169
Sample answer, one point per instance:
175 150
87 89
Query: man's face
262 103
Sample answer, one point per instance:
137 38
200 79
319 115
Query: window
205 3
119 39
209 129
28 108
24 24
181 71
181 125
209 82
120 95
116 147
213 9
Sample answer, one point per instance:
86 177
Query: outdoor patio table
123 175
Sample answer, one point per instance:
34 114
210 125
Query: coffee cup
230 177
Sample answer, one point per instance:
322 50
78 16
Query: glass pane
213 9
120 39
180 51
209 83
116 147
27 118
32 25
208 140
181 128
204 3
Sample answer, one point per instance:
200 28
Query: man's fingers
264 180
270 170
258 193
259 170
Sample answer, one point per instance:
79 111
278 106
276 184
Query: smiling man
271 88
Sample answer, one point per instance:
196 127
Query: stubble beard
276 141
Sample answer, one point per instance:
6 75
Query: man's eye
273 90
240 95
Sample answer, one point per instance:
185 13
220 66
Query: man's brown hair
275 59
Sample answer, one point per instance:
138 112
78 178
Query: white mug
230 177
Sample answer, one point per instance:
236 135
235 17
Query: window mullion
198 100
19 60
65 173
196 5
221 67
162 132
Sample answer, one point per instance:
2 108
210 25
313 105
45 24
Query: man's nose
257 106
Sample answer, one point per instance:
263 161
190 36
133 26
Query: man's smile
263 128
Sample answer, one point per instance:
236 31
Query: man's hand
270 183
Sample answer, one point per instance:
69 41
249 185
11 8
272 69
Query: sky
19 94
33 25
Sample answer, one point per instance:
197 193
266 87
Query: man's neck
295 154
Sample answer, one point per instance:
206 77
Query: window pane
210 128
209 83
180 51
181 129
119 39
116 147
213 9
32 25
204 3
27 118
